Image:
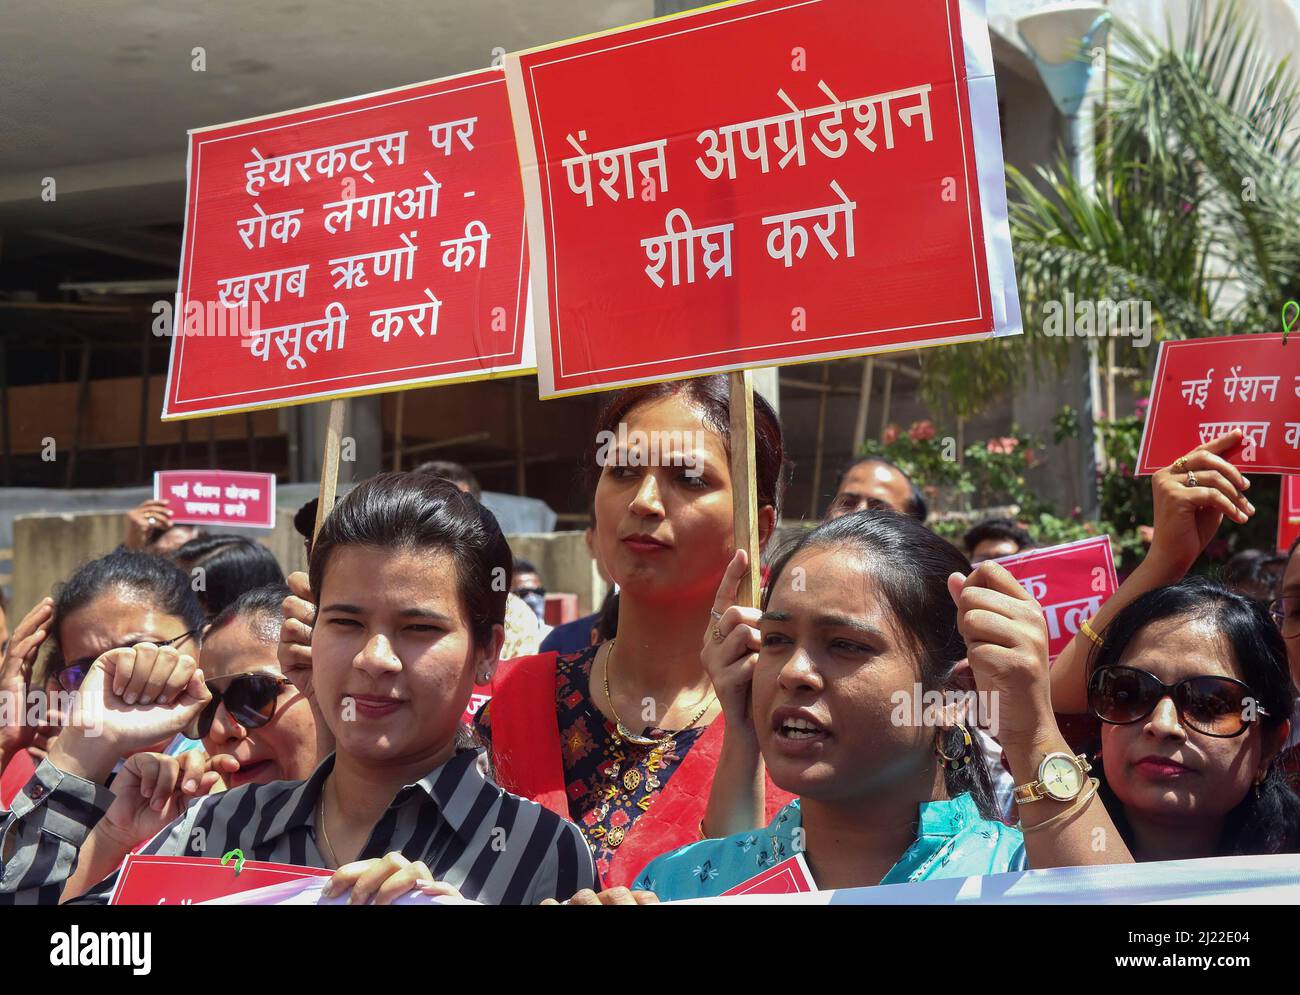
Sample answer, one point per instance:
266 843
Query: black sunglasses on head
71 675
249 698
1216 706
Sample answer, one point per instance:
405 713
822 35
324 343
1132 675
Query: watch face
1061 778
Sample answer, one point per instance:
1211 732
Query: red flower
921 431
619 818
1005 445
890 434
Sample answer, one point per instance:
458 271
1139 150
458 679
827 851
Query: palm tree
1195 207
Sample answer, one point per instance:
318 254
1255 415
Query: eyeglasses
1286 613
1216 706
72 674
249 698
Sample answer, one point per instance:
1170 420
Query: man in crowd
995 537
874 483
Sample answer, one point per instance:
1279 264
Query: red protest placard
1288 518
371 244
148 880
1203 388
790 877
1070 581
760 183
218 497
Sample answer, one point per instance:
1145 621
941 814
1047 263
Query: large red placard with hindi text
1070 581
758 183
1204 388
371 244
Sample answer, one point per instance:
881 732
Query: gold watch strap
1033 790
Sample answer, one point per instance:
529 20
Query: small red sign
371 244
1070 582
151 880
218 497
1204 388
790 877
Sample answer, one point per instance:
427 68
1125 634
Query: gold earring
963 756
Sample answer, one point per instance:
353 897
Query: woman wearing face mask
1192 688
624 738
408 618
864 614
118 600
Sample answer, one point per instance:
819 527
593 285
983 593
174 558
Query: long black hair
231 565
145 575
910 566
418 511
1267 821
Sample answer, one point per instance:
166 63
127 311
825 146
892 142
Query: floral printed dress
610 782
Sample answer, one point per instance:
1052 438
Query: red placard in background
1288 517
149 880
1203 388
1070 581
406 210
623 142
218 497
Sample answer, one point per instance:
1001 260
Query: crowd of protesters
672 745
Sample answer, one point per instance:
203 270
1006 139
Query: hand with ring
730 650
1192 497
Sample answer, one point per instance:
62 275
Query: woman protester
409 617
119 600
257 728
626 737
861 616
1191 498
222 567
1285 609
1192 688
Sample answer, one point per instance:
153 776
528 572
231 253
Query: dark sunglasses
1215 706
249 698
71 675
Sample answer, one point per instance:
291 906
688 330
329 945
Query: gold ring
717 635
1191 479
1180 464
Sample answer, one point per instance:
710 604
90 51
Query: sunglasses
249 698
1286 614
71 675
1215 706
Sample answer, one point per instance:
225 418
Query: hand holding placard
1188 517
1006 647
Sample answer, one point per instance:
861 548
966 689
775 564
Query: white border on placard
177 352
991 185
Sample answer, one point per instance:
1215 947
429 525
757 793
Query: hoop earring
963 756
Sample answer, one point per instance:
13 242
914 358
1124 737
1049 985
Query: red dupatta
529 760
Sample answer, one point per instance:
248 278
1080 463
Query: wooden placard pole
744 491
329 470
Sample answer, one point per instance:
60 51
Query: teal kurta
953 840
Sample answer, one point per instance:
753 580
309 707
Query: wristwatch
1061 777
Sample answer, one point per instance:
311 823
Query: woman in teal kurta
852 680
